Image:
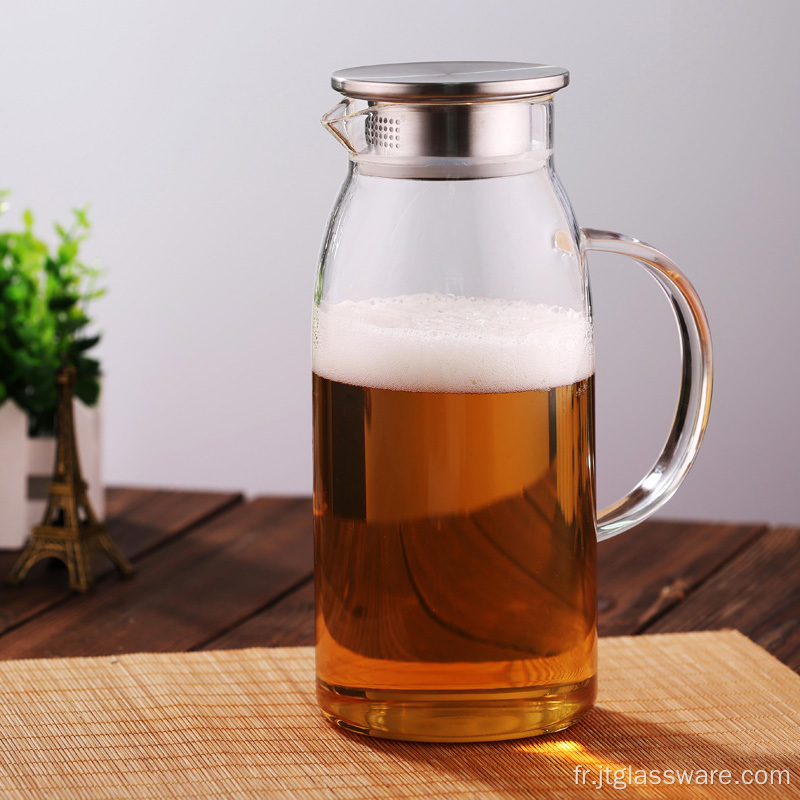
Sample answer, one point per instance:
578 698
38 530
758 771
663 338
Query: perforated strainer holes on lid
383 131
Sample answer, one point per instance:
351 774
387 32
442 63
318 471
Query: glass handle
694 400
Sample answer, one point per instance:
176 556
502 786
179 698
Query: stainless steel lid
449 80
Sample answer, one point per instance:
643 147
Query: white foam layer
446 343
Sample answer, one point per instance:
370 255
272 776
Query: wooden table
215 571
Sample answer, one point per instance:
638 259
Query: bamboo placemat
243 724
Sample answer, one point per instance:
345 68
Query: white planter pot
26 466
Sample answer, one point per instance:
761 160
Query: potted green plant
44 323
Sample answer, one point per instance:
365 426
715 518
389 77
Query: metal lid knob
431 81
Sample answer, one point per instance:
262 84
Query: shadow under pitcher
455 523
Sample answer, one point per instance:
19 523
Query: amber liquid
455 560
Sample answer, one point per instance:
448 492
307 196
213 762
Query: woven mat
243 724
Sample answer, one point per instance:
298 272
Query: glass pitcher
453 359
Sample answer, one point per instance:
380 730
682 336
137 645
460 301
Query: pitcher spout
339 123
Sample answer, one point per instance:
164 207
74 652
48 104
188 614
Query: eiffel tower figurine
69 531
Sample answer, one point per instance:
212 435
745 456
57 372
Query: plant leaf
44 296
82 345
63 302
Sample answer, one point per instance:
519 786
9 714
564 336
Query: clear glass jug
453 359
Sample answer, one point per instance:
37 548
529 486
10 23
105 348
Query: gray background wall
193 127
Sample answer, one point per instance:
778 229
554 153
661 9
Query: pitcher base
457 716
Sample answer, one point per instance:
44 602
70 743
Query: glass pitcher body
453 359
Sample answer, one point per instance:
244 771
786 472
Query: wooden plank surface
186 592
758 593
642 574
139 520
287 623
216 573
647 571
